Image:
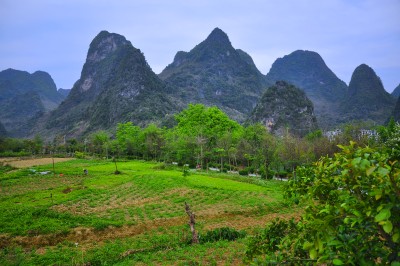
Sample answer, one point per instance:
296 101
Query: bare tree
192 222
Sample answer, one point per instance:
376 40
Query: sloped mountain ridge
116 85
366 99
215 73
396 92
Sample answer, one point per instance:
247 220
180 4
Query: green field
136 217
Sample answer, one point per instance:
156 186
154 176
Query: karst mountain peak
118 85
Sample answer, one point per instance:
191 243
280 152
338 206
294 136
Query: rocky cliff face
215 73
64 92
308 71
116 85
24 98
366 98
284 107
396 111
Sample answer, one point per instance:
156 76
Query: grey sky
54 36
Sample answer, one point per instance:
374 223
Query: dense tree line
202 137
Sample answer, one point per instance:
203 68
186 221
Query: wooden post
192 222
54 171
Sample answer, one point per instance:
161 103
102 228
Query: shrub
224 233
79 155
243 172
352 215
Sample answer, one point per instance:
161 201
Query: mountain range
117 85
24 98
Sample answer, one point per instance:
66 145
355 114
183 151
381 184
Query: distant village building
331 135
369 133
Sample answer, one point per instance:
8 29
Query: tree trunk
192 222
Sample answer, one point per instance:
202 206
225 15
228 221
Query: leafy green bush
14 154
276 242
243 172
224 233
79 155
352 217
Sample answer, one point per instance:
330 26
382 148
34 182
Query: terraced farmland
136 217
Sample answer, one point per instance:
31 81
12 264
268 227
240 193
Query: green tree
203 126
392 141
128 138
100 141
153 141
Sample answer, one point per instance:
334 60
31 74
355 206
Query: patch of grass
225 184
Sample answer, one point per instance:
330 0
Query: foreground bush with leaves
352 215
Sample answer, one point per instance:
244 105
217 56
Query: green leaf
364 164
337 262
307 245
356 161
378 195
370 170
383 215
313 254
388 227
383 171
396 237
334 243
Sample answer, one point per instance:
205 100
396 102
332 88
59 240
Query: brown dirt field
18 163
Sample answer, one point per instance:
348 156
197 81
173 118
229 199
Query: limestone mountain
308 71
366 98
24 97
215 73
396 111
3 131
116 85
285 107
396 92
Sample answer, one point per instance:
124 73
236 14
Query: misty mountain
215 73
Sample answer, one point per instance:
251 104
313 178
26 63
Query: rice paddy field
62 216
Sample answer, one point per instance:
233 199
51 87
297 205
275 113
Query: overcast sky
54 36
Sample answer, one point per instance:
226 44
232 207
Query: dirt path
18 163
